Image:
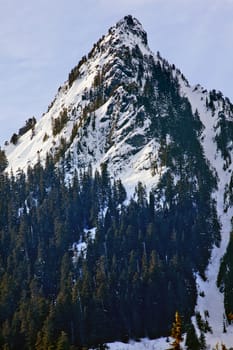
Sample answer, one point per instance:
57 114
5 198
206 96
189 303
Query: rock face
129 109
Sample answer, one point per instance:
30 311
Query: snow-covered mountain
96 116
128 108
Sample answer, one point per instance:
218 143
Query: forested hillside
126 281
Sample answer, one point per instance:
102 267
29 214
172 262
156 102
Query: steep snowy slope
210 301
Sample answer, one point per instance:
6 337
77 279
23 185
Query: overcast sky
41 40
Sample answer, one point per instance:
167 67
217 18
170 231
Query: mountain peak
131 25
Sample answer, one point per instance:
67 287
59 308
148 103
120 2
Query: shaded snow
144 344
162 343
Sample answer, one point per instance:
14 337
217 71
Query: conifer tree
176 333
3 160
202 341
63 342
192 342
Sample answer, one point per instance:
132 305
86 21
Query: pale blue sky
41 40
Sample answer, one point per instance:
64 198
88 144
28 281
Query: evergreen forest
128 279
